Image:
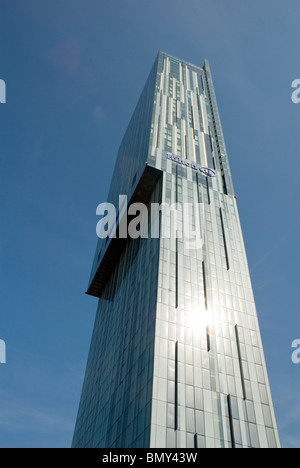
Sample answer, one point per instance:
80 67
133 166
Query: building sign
205 170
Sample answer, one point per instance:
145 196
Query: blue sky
74 70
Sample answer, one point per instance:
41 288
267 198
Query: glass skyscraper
176 358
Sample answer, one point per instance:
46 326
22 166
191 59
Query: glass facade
176 359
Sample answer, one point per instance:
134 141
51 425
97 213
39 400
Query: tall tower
176 358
